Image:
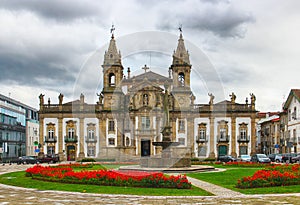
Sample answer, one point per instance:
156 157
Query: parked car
296 159
287 157
245 158
272 157
49 159
27 160
278 158
226 158
260 158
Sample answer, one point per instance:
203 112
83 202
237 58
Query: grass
228 179
19 179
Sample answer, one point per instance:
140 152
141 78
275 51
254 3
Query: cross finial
145 68
112 30
180 28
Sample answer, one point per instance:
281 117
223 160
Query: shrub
88 160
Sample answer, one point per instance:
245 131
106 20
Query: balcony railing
145 132
201 139
71 139
243 139
224 138
90 140
49 139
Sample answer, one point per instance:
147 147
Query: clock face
181 100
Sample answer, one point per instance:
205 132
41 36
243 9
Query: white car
245 158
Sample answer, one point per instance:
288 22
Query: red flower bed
276 175
108 177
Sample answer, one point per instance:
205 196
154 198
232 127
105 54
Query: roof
151 76
293 93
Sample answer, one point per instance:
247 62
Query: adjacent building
15 120
129 116
291 108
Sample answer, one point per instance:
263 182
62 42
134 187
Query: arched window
112 79
181 79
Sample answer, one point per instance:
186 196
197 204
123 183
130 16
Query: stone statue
212 97
193 99
60 98
253 99
166 107
100 98
233 97
41 99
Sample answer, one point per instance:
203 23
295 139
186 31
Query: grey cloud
61 10
221 18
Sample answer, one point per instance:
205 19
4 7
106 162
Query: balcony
90 140
201 139
72 139
223 138
243 139
49 139
145 132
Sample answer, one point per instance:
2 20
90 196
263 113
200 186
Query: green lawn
19 179
228 179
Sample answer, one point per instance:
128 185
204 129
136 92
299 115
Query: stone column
41 136
81 139
60 139
212 137
253 135
233 136
190 137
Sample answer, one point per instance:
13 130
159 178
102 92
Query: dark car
226 158
27 160
287 157
296 159
49 159
260 158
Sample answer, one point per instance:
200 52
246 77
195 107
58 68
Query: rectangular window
222 133
91 134
71 133
111 125
145 123
91 151
181 125
111 141
181 141
51 134
243 134
202 134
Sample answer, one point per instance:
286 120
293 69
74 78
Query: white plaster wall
96 122
216 133
198 121
240 120
65 132
54 121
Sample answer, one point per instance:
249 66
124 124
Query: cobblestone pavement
16 195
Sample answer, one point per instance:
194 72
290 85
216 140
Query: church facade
129 116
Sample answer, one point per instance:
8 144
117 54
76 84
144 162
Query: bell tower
181 70
112 75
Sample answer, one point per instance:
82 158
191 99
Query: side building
130 115
15 125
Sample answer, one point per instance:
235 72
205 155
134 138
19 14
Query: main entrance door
71 153
222 150
145 148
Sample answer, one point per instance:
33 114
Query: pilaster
212 137
81 154
60 139
253 135
233 136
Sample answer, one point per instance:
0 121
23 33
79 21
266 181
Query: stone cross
145 68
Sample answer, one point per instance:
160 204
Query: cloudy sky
57 46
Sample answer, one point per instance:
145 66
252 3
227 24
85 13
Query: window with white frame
51 134
91 134
91 151
181 141
71 133
181 125
145 123
202 133
222 133
111 125
111 141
